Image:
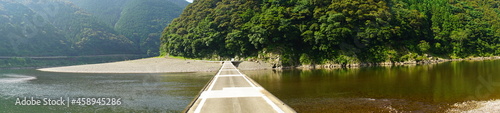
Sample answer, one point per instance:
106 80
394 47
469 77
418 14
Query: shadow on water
422 88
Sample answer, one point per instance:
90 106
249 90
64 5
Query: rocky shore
413 62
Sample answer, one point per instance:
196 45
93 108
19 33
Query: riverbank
413 62
154 65
172 65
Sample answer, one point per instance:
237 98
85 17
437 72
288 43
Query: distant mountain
24 32
83 27
87 34
108 11
58 27
142 21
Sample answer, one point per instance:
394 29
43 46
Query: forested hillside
84 27
46 25
144 20
23 32
336 31
108 11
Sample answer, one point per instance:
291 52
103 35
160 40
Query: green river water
442 87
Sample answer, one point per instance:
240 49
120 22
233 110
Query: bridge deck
231 91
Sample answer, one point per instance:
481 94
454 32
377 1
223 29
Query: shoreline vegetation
340 31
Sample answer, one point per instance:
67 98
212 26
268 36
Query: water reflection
428 88
14 78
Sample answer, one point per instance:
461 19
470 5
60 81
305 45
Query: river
445 87
138 92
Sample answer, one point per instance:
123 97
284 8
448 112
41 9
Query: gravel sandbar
147 65
155 65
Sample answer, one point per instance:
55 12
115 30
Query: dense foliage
336 31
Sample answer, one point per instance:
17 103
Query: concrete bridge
230 91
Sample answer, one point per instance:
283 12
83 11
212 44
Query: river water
138 92
445 87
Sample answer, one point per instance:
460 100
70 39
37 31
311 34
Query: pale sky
190 1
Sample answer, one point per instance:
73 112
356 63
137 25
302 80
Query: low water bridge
230 91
